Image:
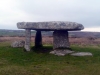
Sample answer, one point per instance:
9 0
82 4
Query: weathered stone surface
72 53
52 25
82 54
27 40
61 52
60 39
16 44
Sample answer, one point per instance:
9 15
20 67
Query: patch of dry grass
49 40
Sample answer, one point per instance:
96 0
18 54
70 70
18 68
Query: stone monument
60 34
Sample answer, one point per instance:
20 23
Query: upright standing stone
27 40
60 39
38 39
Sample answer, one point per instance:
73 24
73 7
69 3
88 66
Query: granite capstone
52 25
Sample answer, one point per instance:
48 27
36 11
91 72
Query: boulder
16 44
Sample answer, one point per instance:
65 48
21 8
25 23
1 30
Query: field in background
49 40
79 34
15 61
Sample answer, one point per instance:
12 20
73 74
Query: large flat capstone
52 25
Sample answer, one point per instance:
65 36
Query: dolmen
60 34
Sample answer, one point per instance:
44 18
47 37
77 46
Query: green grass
15 61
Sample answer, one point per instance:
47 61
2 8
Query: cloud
81 11
92 29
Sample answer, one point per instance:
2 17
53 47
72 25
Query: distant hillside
85 34
4 32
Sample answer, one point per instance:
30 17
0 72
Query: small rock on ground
82 54
61 52
16 44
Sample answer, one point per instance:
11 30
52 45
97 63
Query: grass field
15 61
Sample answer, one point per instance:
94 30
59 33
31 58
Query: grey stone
27 40
61 52
52 25
16 44
82 54
60 39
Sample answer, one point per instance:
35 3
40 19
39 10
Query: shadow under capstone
42 49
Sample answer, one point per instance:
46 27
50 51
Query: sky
86 12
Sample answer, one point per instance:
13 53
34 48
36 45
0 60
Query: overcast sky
86 12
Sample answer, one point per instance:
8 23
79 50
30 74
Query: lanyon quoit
60 34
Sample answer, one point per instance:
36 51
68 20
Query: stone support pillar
27 39
60 40
38 39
